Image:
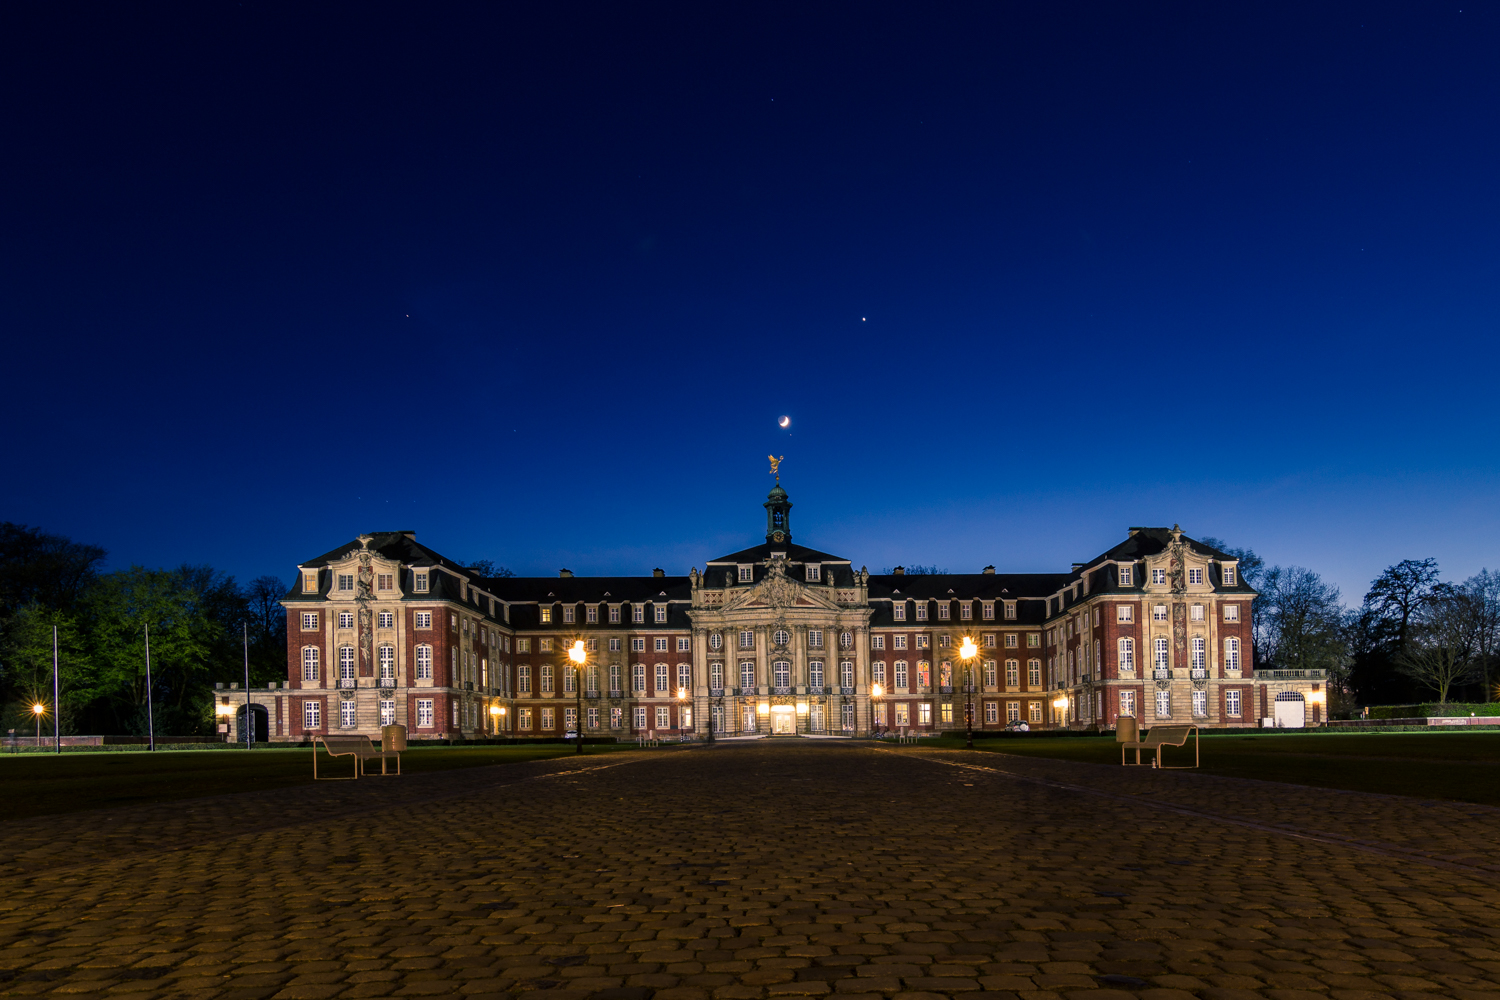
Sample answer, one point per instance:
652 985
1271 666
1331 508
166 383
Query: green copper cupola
778 516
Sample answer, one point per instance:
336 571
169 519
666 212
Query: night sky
537 281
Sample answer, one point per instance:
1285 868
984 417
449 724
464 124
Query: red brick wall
296 640
1112 631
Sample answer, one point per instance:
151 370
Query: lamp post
503 728
967 651
681 707
578 656
1061 704
495 711
39 710
876 691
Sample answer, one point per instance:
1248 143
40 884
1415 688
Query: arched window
388 663
346 665
1098 653
846 674
1231 654
424 663
747 674
614 680
1127 654
1198 651
1161 652
546 678
815 674
901 674
716 676
781 671
310 663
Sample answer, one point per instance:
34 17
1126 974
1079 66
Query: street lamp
495 713
578 656
39 710
876 691
967 651
1061 704
681 707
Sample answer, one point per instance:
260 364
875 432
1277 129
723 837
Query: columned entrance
783 720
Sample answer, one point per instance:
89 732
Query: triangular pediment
779 591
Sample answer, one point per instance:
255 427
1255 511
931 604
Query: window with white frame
544 645
419 585
523 645
1195 613
346 666
1124 612
989 640
924 642
346 619
424 662
1127 576
1200 704
592 645
747 675
1012 673
548 719
422 619
312 714
1127 703
1164 704
846 640
523 679
877 642
637 645
387 712
987 610
945 641
661 679
965 611
546 612
846 673
616 717
1033 640
309 621
568 613
1231 653
1160 659
685 675
746 573
812 572
638 614
346 581
310 663
1232 704
684 644
898 642
815 638
877 672
387 659
1195 577
901 676
614 678
310 581
1011 640
1231 612
546 678
747 639
716 641
1230 574
1197 654
815 673
570 719
591 615
1126 653
385 620
347 719
1012 711
1159 613
1010 611
614 615
523 718
661 613
989 673
716 676
638 677
944 610
385 581
593 718
663 717
661 645
1034 673
898 611
781 673
991 712
921 611
569 678
640 717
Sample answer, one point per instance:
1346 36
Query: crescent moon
785 421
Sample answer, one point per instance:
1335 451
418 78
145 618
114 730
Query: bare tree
1399 594
1439 652
1482 591
1302 626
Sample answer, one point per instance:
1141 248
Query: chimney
658 573
409 534
988 571
565 574
899 571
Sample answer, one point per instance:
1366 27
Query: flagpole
56 692
150 718
248 722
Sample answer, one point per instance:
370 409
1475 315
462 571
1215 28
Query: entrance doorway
783 720
1291 710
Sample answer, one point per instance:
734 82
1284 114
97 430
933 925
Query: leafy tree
1302 625
26 649
1481 593
1381 631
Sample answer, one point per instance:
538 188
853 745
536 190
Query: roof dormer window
1229 576
746 573
419 581
813 572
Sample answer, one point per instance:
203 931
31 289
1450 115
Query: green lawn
42 784
1460 766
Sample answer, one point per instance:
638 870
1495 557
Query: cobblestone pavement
794 869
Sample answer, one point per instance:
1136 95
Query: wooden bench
1127 734
358 747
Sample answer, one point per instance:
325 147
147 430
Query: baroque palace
775 639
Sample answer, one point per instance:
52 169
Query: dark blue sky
537 280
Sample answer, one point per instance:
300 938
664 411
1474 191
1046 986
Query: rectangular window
1010 611
1200 704
1196 614
614 645
683 644
591 615
945 713
387 713
747 675
684 675
747 639
346 715
989 674
987 610
346 581
1232 704
310 581
1033 640
384 581
312 714
423 619
661 645
924 642
1195 576
309 621
424 663
614 678
945 641
523 645
944 609
1034 673
716 676
1159 613
1124 612
1197 653
544 645
548 718
901 674
593 645
924 713
568 612
1231 612
812 573
898 611
386 620
1127 703
663 717
1126 654
877 672
637 645
877 642
523 719
1231 654
921 611
593 718
965 611
424 713
815 638
570 719
661 613
1163 704
638 613
1012 673
903 715
746 573
1158 576
1010 640
1230 574
616 718
387 663
419 584
661 678
640 718
1012 711
1127 576
546 614
900 642
991 712
638 676
523 679
614 619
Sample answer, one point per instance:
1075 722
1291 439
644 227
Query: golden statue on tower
776 466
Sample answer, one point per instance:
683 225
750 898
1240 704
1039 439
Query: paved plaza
768 869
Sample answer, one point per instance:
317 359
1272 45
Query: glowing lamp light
764 708
496 710
876 691
576 654
801 708
1060 702
1317 697
967 649
682 692
502 710
38 708
222 709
